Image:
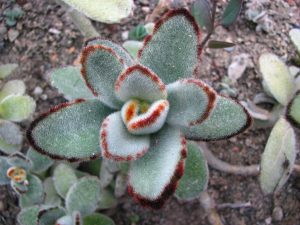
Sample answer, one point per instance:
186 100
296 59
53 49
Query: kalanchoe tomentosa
147 109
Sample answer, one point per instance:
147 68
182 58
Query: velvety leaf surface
84 195
104 11
277 77
7 69
295 37
231 12
278 158
35 193
10 137
51 196
118 144
138 82
196 174
201 10
17 108
172 51
133 47
12 87
121 52
97 219
40 163
293 111
19 160
227 119
120 185
67 129
50 215
100 68
4 166
191 102
151 179
107 199
69 82
28 216
64 177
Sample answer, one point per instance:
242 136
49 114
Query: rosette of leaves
143 112
280 151
15 106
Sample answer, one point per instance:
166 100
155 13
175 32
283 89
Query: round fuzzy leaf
4 166
133 47
40 163
28 216
19 160
111 11
69 82
138 82
97 219
195 178
35 193
201 10
84 195
69 131
118 144
101 67
154 177
7 69
121 52
228 118
277 77
295 37
173 51
51 196
50 215
11 137
12 87
278 158
231 12
185 112
17 108
293 111
64 177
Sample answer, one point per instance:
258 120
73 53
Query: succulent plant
144 112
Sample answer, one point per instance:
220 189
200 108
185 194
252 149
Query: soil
45 38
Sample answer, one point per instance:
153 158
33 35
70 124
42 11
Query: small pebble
44 97
277 214
37 91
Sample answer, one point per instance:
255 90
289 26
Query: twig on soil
209 206
234 205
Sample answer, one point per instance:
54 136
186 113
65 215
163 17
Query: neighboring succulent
279 155
14 107
136 117
12 15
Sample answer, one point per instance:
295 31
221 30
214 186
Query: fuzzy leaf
103 11
172 52
182 110
107 200
10 137
17 108
201 10
118 144
100 68
51 196
65 220
28 216
69 82
7 69
227 119
295 37
277 77
231 12
50 215
293 111
67 129
278 158
40 163
64 177
151 179
97 219
133 47
138 82
121 52
12 87
196 174
35 193
106 176
19 188
19 160
220 44
4 166
83 196
120 185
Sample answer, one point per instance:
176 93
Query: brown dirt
38 50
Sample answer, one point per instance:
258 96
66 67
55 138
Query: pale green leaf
12 87
295 37
133 47
29 215
11 137
107 199
97 219
51 195
293 111
40 163
7 69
